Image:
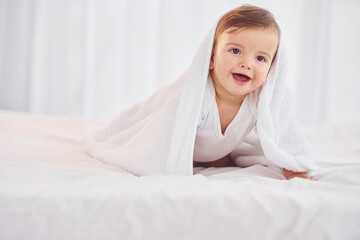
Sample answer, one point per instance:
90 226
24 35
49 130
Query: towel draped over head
157 136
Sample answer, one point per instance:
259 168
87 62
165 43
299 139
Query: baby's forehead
238 34
237 30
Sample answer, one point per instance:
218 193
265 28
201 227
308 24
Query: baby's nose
245 66
245 63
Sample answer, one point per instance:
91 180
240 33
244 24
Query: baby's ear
211 65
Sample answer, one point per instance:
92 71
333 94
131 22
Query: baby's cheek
221 67
263 73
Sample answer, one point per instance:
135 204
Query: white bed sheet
51 189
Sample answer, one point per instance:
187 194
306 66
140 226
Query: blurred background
92 59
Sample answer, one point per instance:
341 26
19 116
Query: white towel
157 136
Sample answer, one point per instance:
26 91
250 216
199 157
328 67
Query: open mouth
241 77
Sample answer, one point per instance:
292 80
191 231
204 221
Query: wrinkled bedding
50 188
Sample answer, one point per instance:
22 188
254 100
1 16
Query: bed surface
50 188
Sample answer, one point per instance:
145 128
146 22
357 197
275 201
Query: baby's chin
243 91
239 94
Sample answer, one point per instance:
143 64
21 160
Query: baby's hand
290 174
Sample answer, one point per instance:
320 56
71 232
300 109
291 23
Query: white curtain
92 59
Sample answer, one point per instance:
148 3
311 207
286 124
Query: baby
174 129
245 45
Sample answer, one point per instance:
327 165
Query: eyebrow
236 44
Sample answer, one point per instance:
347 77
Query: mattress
50 188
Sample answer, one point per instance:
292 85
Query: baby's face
242 60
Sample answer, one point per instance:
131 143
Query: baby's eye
236 51
260 58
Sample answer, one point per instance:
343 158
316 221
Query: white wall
93 59
343 94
